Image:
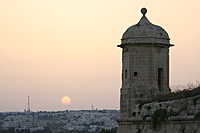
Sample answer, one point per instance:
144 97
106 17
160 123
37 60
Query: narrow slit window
160 78
125 73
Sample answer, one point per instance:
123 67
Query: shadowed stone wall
165 127
181 116
140 64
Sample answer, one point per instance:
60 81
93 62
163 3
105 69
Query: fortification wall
164 127
182 109
177 116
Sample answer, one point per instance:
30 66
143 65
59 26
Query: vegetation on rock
197 115
180 94
158 116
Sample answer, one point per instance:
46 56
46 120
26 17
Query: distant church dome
145 32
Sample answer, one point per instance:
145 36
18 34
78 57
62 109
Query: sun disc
66 100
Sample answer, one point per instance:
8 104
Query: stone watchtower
145 64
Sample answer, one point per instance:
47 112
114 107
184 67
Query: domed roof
145 32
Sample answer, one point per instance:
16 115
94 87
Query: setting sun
66 100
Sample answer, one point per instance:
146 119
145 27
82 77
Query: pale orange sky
53 48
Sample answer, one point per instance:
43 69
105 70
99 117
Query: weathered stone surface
165 127
145 74
145 57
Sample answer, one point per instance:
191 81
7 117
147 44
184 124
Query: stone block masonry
182 116
145 64
191 126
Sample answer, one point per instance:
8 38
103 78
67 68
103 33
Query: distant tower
145 64
28 109
92 107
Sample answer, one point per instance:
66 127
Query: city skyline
55 48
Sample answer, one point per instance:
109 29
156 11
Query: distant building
63 121
9 124
41 123
27 124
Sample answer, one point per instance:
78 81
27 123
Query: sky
55 48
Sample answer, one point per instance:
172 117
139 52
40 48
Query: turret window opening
125 73
160 78
135 74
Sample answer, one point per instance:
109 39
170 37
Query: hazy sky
53 48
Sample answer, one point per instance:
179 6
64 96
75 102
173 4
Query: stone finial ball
143 11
